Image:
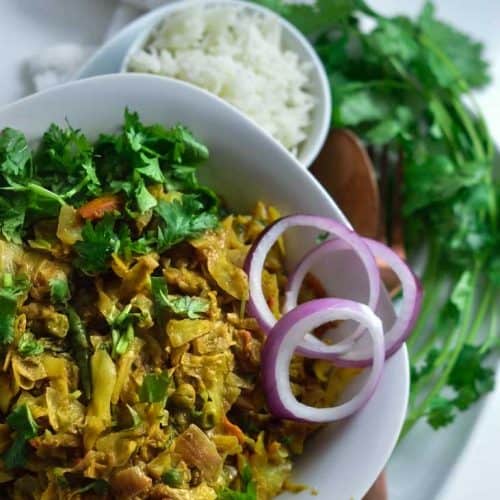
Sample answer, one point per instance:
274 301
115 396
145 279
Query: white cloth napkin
59 63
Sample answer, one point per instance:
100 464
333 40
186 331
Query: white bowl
292 40
245 165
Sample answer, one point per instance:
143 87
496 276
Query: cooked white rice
237 55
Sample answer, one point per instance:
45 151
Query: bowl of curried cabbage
130 365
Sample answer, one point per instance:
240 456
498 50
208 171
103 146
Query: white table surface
28 26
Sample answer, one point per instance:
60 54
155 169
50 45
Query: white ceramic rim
311 147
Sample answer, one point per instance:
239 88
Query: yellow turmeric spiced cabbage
129 368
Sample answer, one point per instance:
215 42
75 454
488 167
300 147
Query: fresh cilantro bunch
402 85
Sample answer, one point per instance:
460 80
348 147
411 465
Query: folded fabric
56 64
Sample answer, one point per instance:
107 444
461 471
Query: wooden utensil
347 172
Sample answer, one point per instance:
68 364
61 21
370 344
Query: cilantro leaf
15 154
29 346
151 169
59 291
322 237
10 293
21 421
63 151
469 379
454 56
441 413
312 19
99 242
129 247
357 106
64 163
190 307
439 179
159 292
12 217
145 200
154 388
426 368
182 220
121 340
248 489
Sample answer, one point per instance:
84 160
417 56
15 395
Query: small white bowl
293 40
341 461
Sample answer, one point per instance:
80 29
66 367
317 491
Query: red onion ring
254 265
408 313
289 332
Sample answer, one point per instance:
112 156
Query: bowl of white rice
248 56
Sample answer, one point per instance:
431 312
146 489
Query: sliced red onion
408 312
296 279
254 265
359 355
292 296
289 332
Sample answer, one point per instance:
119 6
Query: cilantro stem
432 47
483 308
405 75
431 287
457 104
366 9
469 127
431 292
449 360
392 84
40 190
492 336
76 189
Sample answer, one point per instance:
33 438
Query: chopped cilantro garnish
15 155
29 346
21 421
11 289
59 291
154 388
190 307
99 242
67 168
247 492
182 219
